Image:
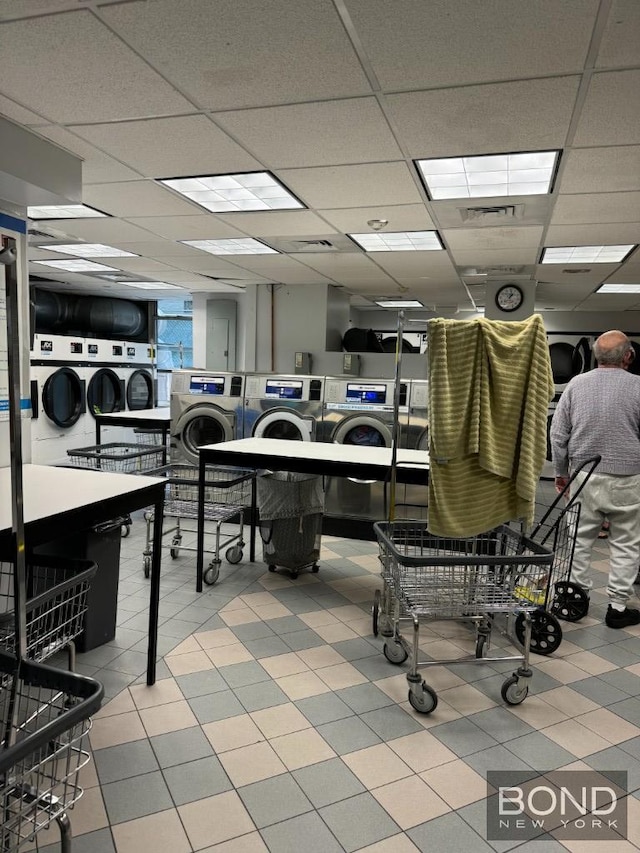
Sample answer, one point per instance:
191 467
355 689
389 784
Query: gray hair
611 355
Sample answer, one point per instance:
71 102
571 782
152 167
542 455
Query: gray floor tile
598 691
196 780
615 758
540 752
136 797
585 638
201 683
274 800
267 647
501 724
364 697
495 758
542 845
252 631
175 628
266 694
623 680
324 708
358 821
113 682
376 668
306 832
299 640
241 674
476 816
631 645
216 706
616 653
332 599
447 834
328 782
286 624
347 735
130 662
140 622
213 623
355 649
181 747
463 737
195 613
124 761
100 656
628 709
100 841
125 638
392 722
300 604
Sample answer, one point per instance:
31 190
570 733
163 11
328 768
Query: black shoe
621 618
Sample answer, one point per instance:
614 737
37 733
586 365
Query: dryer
105 388
206 408
58 397
547 468
570 354
412 500
137 369
361 411
288 407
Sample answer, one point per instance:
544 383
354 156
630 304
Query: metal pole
395 433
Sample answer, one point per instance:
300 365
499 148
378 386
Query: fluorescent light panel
619 288
77 265
528 173
239 246
89 250
63 211
151 285
398 241
399 303
585 254
235 193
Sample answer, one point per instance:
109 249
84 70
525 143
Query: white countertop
160 414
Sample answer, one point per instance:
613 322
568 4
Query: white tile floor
277 724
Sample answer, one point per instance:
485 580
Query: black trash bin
101 544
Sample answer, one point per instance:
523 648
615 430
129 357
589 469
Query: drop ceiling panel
353 186
159 249
191 145
558 275
346 269
610 302
618 234
97 168
270 223
255 54
200 227
136 198
619 45
493 238
562 296
72 66
139 265
401 217
318 134
599 207
628 273
15 112
611 111
106 231
495 257
269 265
520 116
444 44
414 264
601 170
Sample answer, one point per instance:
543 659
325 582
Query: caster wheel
482 645
375 612
315 568
294 574
570 602
395 653
546 633
272 568
233 555
423 700
175 553
513 692
212 574
125 530
146 566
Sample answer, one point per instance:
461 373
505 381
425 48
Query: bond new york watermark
589 805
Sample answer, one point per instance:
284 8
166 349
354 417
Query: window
175 342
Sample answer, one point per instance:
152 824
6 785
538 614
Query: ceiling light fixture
88 250
76 265
399 303
63 211
526 173
399 241
239 246
619 288
585 254
242 192
151 285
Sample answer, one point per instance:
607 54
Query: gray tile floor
277 724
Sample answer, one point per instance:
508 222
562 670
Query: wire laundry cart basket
227 494
435 578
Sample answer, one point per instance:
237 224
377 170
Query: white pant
617 498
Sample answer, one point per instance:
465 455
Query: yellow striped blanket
490 383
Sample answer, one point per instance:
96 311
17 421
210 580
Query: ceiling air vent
494 213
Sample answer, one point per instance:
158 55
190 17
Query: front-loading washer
361 412
206 408
283 407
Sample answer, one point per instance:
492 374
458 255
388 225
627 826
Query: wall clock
509 297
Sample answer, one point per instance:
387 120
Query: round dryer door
363 431
63 397
562 362
283 425
202 425
634 367
105 392
140 391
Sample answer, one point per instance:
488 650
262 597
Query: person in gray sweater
599 415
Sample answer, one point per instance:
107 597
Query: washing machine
361 412
288 407
570 354
58 397
206 408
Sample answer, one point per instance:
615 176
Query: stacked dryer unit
206 408
360 412
412 500
284 407
106 391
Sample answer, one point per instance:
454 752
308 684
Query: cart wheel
570 602
293 573
175 553
233 555
375 612
481 644
546 633
212 574
425 701
395 652
146 566
512 692
315 568
125 530
272 568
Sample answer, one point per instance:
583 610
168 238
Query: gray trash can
291 508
